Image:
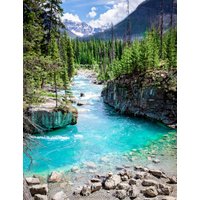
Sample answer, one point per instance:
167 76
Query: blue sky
97 13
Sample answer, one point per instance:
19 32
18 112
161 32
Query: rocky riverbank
128 183
152 94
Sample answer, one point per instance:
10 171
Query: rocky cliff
152 94
46 118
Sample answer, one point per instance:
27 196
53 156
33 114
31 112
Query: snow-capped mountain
80 29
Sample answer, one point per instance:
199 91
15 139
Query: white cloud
116 14
92 13
71 17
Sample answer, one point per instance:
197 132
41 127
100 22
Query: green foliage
48 53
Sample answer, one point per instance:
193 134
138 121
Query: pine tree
70 59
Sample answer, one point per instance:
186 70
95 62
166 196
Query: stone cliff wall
48 119
152 94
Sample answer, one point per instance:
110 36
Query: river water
101 136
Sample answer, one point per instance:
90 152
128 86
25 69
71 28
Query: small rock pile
141 182
40 191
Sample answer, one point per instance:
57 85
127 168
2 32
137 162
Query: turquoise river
100 133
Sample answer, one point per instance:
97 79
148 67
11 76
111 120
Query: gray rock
40 197
168 198
75 169
32 181
150 192
38 189
120 194
123 186
164 189
90 165
172 180
96 186
142 169
140 175
124 178
60 196
148 182
104 159
157 173
86 190
132 181
156 161
133 192
82 94
95 180
112 182
77 190
81 103
119 168
54 177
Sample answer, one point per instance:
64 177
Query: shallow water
100 132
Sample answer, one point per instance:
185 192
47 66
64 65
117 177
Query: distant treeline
113 58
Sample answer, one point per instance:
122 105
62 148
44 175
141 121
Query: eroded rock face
48 118
152 95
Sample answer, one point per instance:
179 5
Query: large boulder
60 196
32 181
86 190
96 186
120 194
150 192
157 173
149 182
55 177
164 189
40 197
172 180
39 189
133 192
112 181
123 186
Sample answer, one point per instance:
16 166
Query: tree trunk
161 30
26 191
55 83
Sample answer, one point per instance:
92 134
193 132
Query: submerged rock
90 165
